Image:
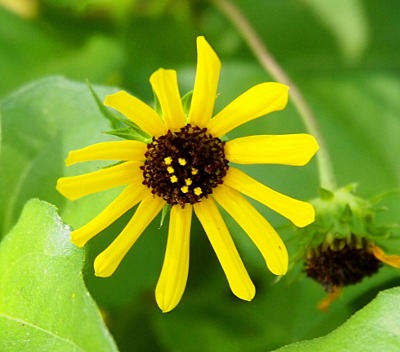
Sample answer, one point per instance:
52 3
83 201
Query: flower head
186 165
339 248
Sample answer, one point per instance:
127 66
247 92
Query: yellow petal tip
60 187
245 293
77 240
307 216
110 99
101 269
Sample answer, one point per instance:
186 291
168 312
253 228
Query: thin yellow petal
118 150
174 273
129 197
165 86
257 101
138 112
119 175
300 213
392 260
225 249
205 85
327 301
107 261
290 149
254 224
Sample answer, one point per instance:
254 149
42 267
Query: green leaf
373 328
44 304
41 123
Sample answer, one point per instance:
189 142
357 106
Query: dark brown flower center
183 167
341 267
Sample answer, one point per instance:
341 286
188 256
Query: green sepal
351 188
187 102
137 129
103 109
130 134
325 194
347 214
164 213
157 105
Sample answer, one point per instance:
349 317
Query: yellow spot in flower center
182 161
174 179
170 169
197 191
188 182
168 160
194 171
184 189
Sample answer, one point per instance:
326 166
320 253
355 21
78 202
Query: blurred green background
344 55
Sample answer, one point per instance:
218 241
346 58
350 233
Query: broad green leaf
44 304
373 328
41 123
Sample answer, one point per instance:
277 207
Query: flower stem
232 12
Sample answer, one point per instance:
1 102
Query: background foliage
344 56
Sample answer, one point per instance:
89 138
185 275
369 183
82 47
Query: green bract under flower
185 165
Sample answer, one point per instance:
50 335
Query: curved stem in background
232 12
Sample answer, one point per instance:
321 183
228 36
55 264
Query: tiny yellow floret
197 191
184 189
174 179
182 161
170 169
168 160
194 171
188 182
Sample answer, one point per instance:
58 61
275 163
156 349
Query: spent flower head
186 166
339 249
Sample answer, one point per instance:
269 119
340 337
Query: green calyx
341 217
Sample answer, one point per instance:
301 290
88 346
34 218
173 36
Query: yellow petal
205 85
332 296
165 86
174 273
257 101
392 260
119 175
107 261
254 224
129 197
291 149
224 247
119 150
138 112
300 213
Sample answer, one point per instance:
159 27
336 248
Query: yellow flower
189 148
